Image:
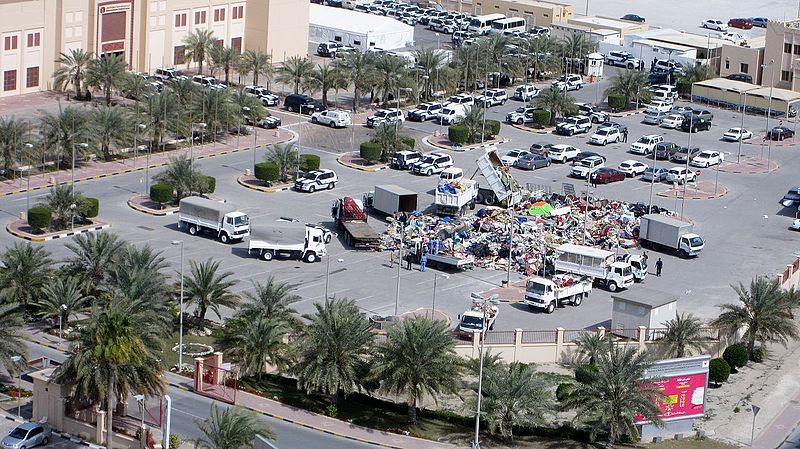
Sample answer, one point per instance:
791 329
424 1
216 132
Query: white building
357 29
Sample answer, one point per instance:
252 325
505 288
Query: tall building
147 33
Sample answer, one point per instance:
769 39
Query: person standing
422 262
659 266
625 135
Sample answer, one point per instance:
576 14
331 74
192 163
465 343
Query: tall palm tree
390 72
471 63
62 298
683 335
591 345
224 58
334 349
95 256
198 44
498 58
631 84
698 72
245 105
577 46
295 71
139 273
111 125
285 156
762 309
256 343
557 102
207 288
108 72
12 317
616 394
232 428
324 78
359 69
212 107
24 273
256 62
185 91
183 175
418 358
387 136
162 115
135 87
473 120
430 63
72 70
515 395
62 133
272 300
13 134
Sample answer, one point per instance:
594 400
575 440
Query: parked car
262 93
562 153
622 128
568 82
658 106
316 180
574 125
424 111
714 24
682 153
586 166
605 135
665 150
737 134
632 167
672 121
492 97
207 82
658 174
795 226
792 198
682 110
169 74
607 175
269 122
328 49
333 118
385 116
462 99
431 163
633 18
707 158
525 92
742 23
302 104
521 115
780 133
680 175
450 114
646 144
759 21
539 148
26 436
703 113
532 161
655 117
584 154
593 112
743 77
696 124
510 158
622 59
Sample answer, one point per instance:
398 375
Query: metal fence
499 338
539 336
626 333
573 335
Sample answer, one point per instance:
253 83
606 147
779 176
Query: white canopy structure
357 29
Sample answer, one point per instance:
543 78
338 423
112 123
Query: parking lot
56 442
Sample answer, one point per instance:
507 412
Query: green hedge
718 371
585 373
684 87
492 128
563 391
309 162
541 117
210 183
758 354
409 141
267 171
162 192
93 207
736 356
617 102
458 134
370 151
40 217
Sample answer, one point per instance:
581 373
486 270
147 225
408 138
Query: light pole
652 183
433 301
755 409
399 267
744 107
328 273
769 110
16 359
82 145
140 400
586 206
202 126
61 311
28 146
510 244
180 312
72 208
688 157
476 442
246 110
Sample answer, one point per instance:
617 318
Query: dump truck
390 199
455 197
596 263
547 294
506 189
658 231
288 240
349 216
197 214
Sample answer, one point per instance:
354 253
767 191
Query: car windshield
536 288
695 241
734 131
309 175
244 220
520 110
18 434
381 114
603 132
471 322
705 155
427 159
643 140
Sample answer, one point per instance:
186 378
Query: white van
451 114
351 4
451 174
508 25
483 24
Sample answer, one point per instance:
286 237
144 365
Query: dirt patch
354 158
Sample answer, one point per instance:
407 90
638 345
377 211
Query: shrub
541 117
458 134
758 354
40 217
162 192
92 207
408 141
736 356
492 128
370 151
585 373
209 184
309 162
267 171
684 87
174 441
617 102
563 390
718 371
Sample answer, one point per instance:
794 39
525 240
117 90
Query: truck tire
223 237
310 257
192 229
551 307
683 254
267 255
479 199
577 300
612 287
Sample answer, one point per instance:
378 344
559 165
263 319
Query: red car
606 175
742 23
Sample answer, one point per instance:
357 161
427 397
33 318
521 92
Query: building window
219 15
9 80
797 49
219 43
11 43
32 77
34 40
180 20
236 44
237 12
199 17
787 47
727 64
786 75
180 55
357 43
337 38
744 68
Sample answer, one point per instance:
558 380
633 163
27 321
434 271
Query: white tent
357 29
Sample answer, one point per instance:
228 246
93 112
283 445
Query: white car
795 225
714 24
432 163
316 180
521 115
510 158
562 153
632 167
680 175
646 144
568 82
658 106
587 166
672 121
492 97
707 159
385 116
606 135
737 134
525 92
332 117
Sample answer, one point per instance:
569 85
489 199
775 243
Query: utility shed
357 29
641 306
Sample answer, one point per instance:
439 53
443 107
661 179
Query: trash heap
541 222
451 187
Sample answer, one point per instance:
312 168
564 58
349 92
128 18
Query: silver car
658 174
26 436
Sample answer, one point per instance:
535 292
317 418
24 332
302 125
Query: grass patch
170 357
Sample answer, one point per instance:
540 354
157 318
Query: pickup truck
547 294
481 316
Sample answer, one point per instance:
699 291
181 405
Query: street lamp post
140 401
769 111
61 311
82 145
652 183
16 359
202 126
72 208
328 273
688 157
433 301
28 146
180 312
755 409
586 206
744 107
476 442
246 110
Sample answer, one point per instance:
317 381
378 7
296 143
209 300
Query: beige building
782 46
598 28
743 59
148 34
535 13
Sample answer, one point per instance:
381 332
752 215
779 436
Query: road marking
187 413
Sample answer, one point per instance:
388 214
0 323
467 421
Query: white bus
508 26
482 24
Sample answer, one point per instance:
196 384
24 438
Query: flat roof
644 296
539 3
690 40
353 21
788 96
664 45
395 189
729 85
606 22
585 29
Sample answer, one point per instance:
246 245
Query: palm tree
389 71
72 70
515 395
334 349
418 359
473 120
63 133
162 114
183 175
359 69
430 63
387 135
683 335
62 298
592 344
111 125
285 156
271 300
212 107
557 102
24 273
139 273
631 84
617 394
295 71
135 87
232 428
256 62
12 138
256 343
184 91
224 58
11 315
323 79
209 289
762 309
695 73
500 60
577 46
95 256
60 201
108 72
198 43
246 105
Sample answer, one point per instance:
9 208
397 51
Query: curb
752 172
709 197
543 131
766 144
467 148
64 436
148 211
627 114
261 189
56 236
359 167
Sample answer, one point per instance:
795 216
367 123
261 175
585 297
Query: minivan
302 104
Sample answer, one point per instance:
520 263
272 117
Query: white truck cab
197 214
596 263
451 174
547 294
481 316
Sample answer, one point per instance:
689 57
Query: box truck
198 214
288 240
660 231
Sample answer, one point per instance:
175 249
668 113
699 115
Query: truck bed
359 234
453 261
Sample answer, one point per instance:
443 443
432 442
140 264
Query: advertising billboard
683 384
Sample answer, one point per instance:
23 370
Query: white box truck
596 263
455 197
547 294
660 231
288 240
198 214
389 199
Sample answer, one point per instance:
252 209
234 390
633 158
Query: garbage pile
451 187
537 225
